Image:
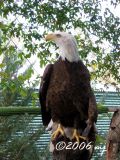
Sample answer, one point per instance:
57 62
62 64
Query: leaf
100 139
23 93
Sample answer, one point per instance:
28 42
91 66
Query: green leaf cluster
93 27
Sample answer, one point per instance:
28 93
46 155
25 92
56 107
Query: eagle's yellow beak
50 37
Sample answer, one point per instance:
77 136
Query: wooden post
113 140
64 149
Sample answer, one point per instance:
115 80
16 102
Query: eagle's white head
67 45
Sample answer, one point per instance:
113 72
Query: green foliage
13 83
100 139
17 136
18 141
101 108
33 19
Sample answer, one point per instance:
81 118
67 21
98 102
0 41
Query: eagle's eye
58 35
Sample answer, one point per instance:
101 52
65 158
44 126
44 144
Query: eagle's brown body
68 105
66 96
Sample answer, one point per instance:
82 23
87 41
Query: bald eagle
65 93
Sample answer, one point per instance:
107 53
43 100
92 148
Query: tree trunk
113 140
64 149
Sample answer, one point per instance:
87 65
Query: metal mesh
29 130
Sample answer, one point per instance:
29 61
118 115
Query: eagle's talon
77 136
57 132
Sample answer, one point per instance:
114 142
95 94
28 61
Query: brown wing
92 115
92 111
46 114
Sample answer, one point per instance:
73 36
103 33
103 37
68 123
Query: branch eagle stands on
65 94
